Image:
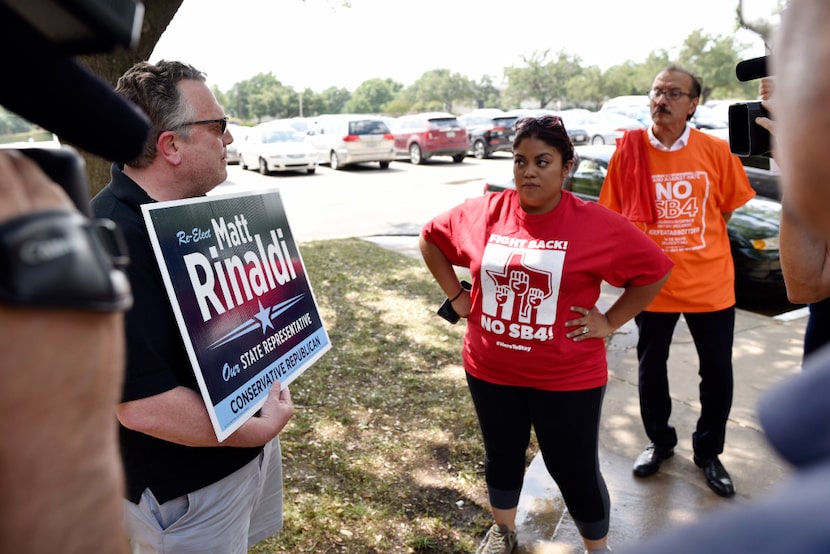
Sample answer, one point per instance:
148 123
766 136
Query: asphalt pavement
767 350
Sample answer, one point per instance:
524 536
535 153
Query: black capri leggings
567 429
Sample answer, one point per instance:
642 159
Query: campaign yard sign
242 299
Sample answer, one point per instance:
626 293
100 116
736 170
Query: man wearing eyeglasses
680 186
186 492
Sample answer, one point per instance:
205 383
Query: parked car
341 140
753 228
276 146
578 135
422 136
721 107
489 131
618 103
639 113
602 127
238 132
705 116
709 118
764 181
636 106
300 124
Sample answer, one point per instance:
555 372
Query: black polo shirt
156 362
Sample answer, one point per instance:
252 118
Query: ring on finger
585 330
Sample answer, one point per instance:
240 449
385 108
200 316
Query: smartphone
446 311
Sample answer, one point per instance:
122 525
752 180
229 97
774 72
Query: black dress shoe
716 476
648 462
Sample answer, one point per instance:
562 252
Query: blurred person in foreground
61 481
680 186
534 349
186 492
795 415
804 257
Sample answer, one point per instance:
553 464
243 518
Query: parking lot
365 200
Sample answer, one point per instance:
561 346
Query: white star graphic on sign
264 316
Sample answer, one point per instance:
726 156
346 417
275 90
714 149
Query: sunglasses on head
223 124
547 121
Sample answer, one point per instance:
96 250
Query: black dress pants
713 334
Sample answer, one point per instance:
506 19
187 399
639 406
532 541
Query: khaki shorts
227 517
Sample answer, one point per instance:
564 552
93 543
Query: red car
424 135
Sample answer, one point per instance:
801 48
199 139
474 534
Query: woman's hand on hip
591 324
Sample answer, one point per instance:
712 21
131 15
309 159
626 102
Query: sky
317 44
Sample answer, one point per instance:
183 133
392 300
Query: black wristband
465 286
446 310
60 259
454 298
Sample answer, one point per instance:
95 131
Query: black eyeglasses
223 124
671 94
547 121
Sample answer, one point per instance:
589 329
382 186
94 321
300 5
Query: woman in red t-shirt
534 352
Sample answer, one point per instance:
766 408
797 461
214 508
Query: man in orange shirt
680 186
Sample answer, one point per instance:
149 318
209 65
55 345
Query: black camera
39 40
60 258
747 138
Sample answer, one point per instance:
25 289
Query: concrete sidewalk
766 351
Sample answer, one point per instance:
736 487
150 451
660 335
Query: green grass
383 454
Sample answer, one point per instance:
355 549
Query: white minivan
346 139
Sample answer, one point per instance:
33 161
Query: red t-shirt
693 188
527 271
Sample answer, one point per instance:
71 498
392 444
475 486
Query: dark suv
489 132
578 135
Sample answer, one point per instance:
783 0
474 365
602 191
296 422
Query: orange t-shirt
693 187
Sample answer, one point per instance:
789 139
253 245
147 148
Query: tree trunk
110 66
